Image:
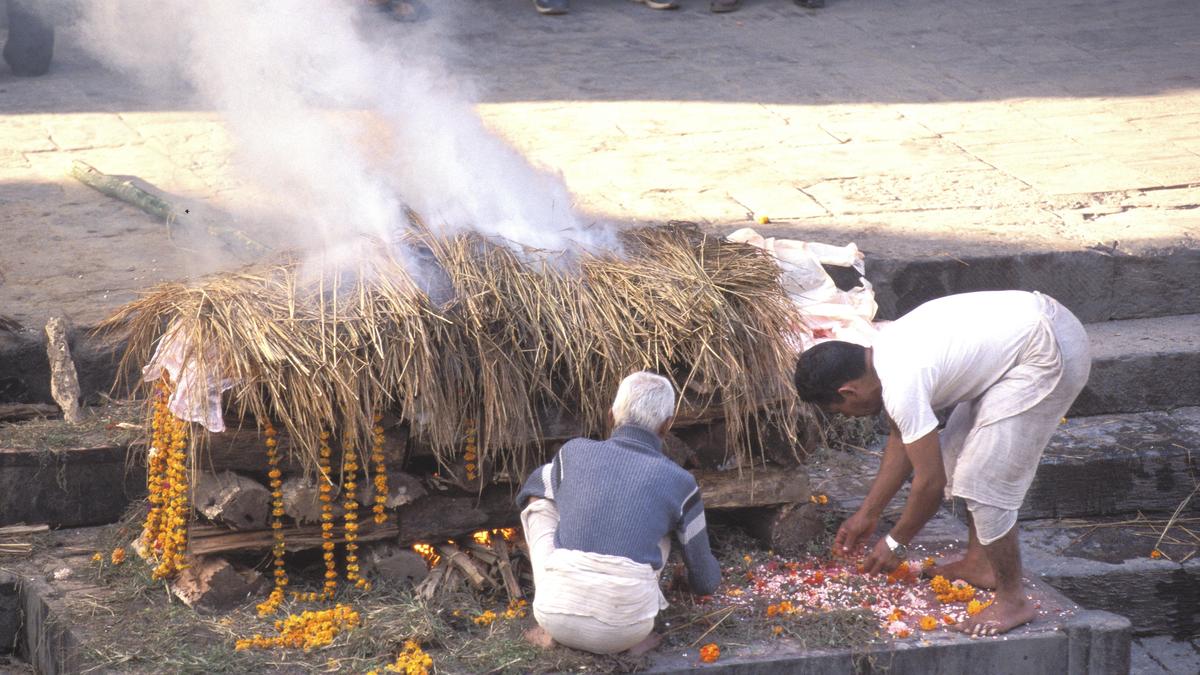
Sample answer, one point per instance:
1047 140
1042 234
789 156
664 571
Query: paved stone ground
932 128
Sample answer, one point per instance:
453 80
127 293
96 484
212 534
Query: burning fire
482 537
427 552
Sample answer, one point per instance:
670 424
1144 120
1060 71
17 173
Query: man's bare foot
1000 617
975 571
538 637
652 640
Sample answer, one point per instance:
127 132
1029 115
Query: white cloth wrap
599 603
991 446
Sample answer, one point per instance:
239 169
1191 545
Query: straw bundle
322 347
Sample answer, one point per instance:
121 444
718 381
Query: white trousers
581 629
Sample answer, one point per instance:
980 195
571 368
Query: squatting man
598 520
1006 365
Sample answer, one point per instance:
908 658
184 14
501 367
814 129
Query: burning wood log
233 500
64 383
506 571
453 555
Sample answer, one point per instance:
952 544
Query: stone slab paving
934 128
1164 656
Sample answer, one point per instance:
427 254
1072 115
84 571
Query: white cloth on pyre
196 396
829 313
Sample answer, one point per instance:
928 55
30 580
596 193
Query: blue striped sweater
621 497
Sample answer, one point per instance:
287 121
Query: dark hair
824 368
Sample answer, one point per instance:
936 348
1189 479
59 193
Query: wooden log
302 500
403 488
386 560
786 529
500 547
210 539
484 554
762 486
453 555
16 412
233 500
22 530
213 585
64 382
429 586
241 448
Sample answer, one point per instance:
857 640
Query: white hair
644 400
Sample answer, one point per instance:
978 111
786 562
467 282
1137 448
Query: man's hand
852 532
881 559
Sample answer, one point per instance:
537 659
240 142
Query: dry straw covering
441 330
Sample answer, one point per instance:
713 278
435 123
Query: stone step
1105 564
1118 464
1097 285
1142 364
67 488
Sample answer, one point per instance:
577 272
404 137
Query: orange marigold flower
928 623
1156 554
710 652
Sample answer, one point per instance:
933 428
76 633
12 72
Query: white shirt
951 350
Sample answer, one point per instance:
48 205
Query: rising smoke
348 129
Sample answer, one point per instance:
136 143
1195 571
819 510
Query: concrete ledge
67 488
1142 364
1095 285
1117 464
1109 569
1087 643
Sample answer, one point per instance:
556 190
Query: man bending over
598 522
1008 365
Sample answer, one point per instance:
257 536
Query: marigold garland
325 490
381 484
156 471
470 453
350 504
307 630
279 547
170 541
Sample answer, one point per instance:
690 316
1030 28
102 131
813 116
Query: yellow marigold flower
97 557
928 623
974 607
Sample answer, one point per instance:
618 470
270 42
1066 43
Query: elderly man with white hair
598 524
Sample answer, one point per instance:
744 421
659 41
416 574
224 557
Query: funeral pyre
460 359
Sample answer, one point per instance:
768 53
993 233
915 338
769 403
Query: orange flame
482 537
509 533
427 552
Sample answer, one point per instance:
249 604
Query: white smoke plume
346 130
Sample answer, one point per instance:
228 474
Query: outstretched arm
894 468
929 482
704 572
